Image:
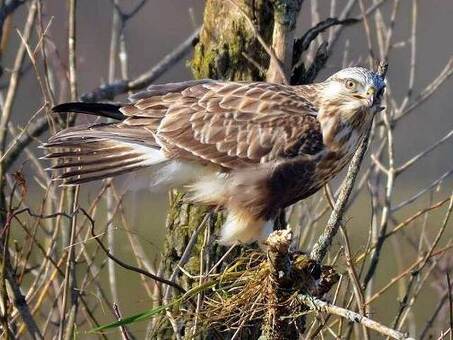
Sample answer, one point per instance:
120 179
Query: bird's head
353 91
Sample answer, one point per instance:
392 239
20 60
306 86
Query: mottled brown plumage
250 147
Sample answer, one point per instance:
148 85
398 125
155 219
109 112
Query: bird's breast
330 163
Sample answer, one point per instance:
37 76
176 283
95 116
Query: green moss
224 40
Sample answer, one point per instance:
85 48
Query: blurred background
161 25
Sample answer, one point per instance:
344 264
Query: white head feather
353 90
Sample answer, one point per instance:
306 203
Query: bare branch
320 248
14 80
109 91
322 306
124 330
422 154
8 8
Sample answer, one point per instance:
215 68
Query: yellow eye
350 84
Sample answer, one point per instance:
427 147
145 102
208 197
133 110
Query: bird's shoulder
209 95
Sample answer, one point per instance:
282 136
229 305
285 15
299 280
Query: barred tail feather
81 155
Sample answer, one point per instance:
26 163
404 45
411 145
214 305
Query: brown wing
229 124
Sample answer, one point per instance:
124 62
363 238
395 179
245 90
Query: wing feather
229 124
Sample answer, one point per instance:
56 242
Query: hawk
252 148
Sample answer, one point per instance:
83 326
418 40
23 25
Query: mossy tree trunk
228 49
225 50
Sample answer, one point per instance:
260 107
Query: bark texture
228 48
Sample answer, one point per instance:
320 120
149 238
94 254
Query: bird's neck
338 129
338 121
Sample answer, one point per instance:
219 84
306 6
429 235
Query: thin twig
14 80
450 303
94 236
8 8
354 278
430 321
422 154
109 91
123 328
322 306
70 292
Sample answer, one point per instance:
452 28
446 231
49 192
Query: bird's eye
350 84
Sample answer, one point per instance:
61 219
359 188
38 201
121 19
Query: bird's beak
371 95
375 98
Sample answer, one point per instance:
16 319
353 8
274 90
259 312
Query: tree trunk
228 49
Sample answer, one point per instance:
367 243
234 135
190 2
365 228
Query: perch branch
334 222
319 305
275 326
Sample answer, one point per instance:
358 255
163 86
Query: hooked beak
371 95
371 98
374 96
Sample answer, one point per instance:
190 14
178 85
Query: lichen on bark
228 43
